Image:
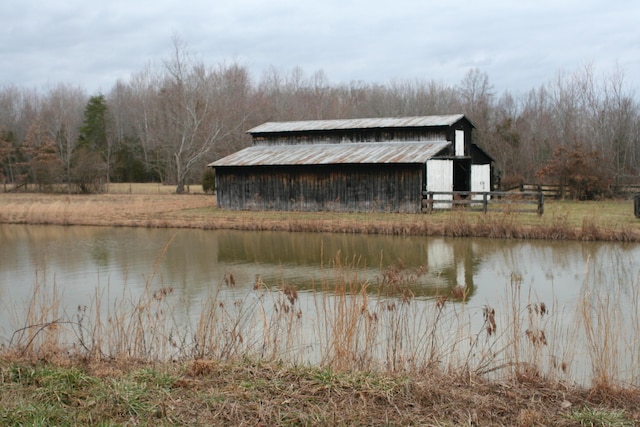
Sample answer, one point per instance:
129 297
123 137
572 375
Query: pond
475 274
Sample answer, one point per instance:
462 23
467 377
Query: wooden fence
627 190
554 191
483 201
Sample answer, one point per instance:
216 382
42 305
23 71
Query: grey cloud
520 45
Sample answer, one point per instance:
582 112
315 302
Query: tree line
165 123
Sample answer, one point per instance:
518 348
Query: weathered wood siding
335 137
362 188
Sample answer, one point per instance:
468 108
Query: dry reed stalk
204 337
525 341
349 328
633 342
39 328
340 304
610 324
590 230
601 323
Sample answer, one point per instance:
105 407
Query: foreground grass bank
245 392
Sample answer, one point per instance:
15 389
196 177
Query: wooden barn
377 164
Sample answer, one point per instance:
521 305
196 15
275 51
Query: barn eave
347 153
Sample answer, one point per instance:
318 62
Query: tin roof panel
327 154
372 123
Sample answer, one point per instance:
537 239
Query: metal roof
327 125
327 154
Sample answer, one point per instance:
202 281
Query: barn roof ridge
362 123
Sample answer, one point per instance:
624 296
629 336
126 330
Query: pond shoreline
586 221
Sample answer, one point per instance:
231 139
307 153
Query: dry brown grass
227 373
148 188
149 206
144 210
263 393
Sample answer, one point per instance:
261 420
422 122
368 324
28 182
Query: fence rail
629 190
555 191
548 190
483 201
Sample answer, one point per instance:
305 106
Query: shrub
209 181
579 171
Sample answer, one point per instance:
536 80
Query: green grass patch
244 392
595 417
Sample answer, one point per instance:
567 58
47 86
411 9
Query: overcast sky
519 44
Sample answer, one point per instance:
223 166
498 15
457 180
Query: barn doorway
462 175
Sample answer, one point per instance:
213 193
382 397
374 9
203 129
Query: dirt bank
606 221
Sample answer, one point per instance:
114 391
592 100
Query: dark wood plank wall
332 137
364 188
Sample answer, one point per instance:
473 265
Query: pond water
80 261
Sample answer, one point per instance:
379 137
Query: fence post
484 202
636 205
430 202
540 203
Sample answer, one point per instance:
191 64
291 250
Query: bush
88 171
580 171
209 181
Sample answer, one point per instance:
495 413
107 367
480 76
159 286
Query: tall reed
610 326
38 321
349 321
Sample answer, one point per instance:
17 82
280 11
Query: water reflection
119 263
80 259
304 259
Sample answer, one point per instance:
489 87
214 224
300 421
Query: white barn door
480 179
459 143
440 178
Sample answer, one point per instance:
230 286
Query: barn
374 164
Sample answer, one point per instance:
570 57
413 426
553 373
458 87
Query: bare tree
144 87
615 126
476 96
127 162
6 164
62 114
186 123
234 106
19 108
43 165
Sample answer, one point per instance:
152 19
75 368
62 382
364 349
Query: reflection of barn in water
378 164
308 259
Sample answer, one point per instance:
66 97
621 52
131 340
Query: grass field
149 188
152 205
